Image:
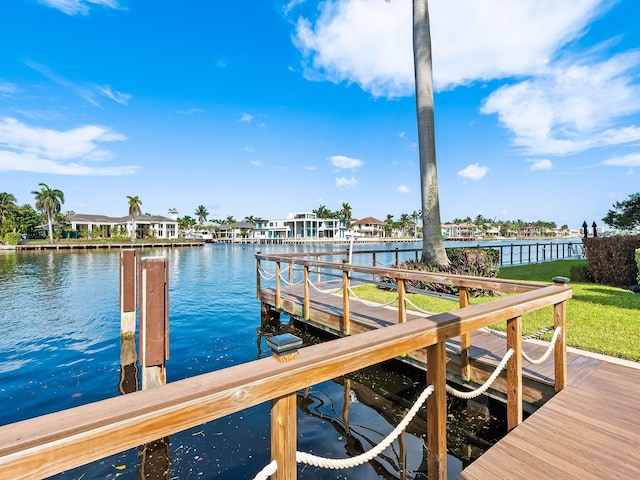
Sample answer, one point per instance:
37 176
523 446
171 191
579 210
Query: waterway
60 348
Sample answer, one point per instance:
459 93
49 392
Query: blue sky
268 107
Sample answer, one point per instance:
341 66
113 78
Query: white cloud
35 149
541 165
630 160
369 42
256 163
189 111
7 88
340 161
82 7
119 97
403 189
571 107
473 172
342 182
245 117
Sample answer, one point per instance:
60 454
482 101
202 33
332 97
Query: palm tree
49 201
433 251
201 212
345 214
134 209
415 216
230 219
8 206
322 212
388 225
251 219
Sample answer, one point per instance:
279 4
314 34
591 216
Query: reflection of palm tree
134 209
49 201
433 250
201 212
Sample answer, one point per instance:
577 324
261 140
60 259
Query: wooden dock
487 350
589 430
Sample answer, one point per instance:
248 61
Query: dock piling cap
284 348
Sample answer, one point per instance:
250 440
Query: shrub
463 261
12 238
638 264
580 274
610 260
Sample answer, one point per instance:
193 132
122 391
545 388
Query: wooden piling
154 320
127 291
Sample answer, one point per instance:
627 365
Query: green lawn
600 319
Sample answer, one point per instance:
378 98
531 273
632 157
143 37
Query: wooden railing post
258 286
402 306
278 294
560 349
284 348
154 320
465 338
437 412
307 292
345 301
514 373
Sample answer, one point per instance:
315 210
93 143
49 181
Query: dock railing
50 444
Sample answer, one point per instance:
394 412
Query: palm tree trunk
433 251
50 221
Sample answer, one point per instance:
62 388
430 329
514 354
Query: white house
103 226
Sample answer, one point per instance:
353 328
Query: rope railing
267 471
338 464
330 292
485 386
369 303
266 275
287 282
417 308
550 348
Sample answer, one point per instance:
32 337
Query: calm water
60 348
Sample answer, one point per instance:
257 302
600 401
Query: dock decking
589 430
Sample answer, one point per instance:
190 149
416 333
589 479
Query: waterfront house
369 227
303 225
157 226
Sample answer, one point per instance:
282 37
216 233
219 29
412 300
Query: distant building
103 226
303 225
369 227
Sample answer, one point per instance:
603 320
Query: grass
600 319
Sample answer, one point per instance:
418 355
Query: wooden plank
589 430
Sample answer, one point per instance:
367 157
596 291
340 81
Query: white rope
480 390
267 471
286 282
550 348
406 299
303 457
330 292
370 303
267 275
